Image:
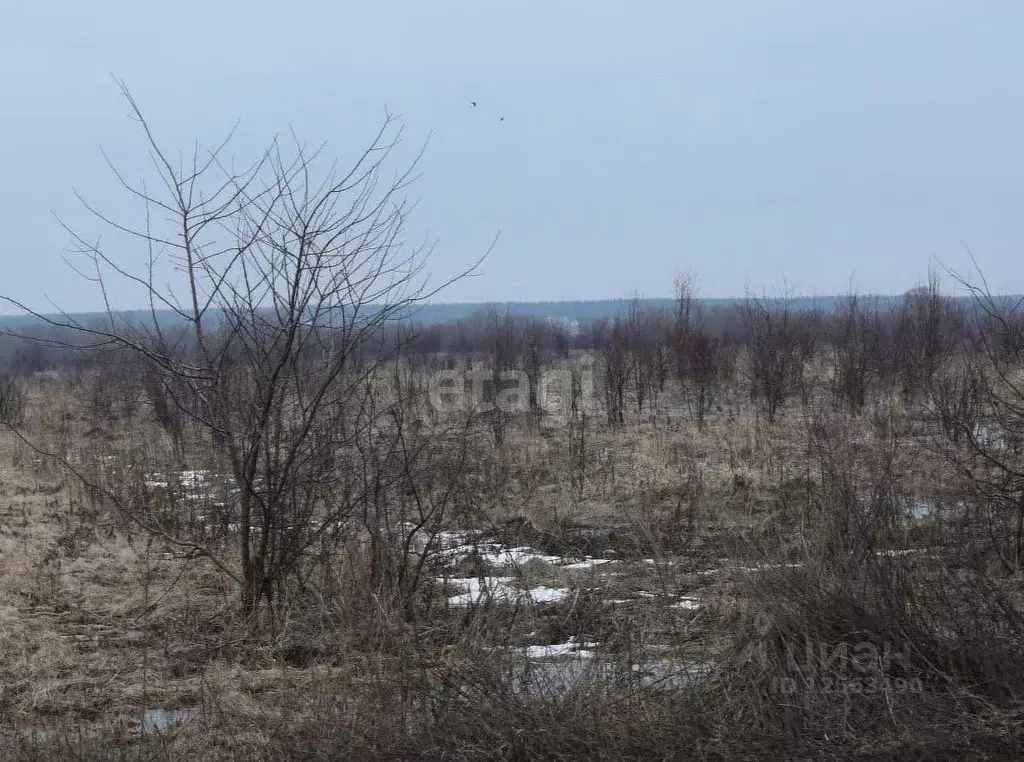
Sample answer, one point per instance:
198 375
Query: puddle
151 722
921 509
991 435
162 719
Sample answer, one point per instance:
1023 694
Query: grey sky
752 142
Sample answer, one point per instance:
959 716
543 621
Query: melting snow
499 556
193 478
588 563
458 546
545 594
501 589
572 647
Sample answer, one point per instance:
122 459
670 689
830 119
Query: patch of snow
898 552
588 563
193 478
456 547
476 590
499 556
768 567
572 647
544 594
687 603
750 569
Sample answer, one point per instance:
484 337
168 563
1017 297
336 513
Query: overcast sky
756 143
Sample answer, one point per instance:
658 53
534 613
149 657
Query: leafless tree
577 433
683 324
853 338
979 404
930 327
615 343
12 398
701 360
535 335
708 365
775 353
643 339
285 274
504 343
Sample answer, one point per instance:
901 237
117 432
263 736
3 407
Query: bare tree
504 343
683 324
577 434
853 338
285 275
929 328
709 363
534 336
12 398
615 342
643 346
775 353
979 404
701 360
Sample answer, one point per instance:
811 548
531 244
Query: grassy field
822 586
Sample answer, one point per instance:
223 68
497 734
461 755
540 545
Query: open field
487 383
824 583
274 516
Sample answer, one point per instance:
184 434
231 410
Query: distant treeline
594 309
30 344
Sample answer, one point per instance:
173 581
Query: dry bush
869 644
12 399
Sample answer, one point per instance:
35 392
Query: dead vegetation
283 521
824 584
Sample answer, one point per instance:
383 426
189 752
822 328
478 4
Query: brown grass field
731 591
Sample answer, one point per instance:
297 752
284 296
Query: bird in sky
473 104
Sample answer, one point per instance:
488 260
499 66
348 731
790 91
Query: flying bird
473 104
502 119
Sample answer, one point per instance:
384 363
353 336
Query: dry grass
101 623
